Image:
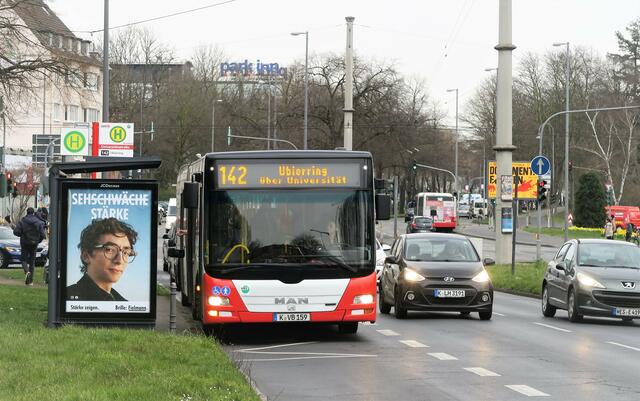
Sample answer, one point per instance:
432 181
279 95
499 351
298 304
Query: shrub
590 202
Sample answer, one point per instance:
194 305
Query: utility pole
504 147
348 88
105 65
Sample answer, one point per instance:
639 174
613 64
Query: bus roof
289 154
434 194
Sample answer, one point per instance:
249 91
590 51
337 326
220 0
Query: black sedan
435 272
10 249
419 224
593 277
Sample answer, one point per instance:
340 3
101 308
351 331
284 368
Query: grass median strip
79 363
527 278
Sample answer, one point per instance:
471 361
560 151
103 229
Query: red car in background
622 213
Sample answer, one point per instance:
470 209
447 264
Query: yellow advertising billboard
527 180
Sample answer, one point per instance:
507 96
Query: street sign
115 140
527 180
540 165
75 142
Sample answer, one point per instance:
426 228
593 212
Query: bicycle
635 236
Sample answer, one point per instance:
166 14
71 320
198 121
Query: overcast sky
448 43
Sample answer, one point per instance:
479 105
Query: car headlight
12 249
589 281
410 275
481 277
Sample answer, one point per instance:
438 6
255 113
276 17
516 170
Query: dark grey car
435 272
593 277
419 224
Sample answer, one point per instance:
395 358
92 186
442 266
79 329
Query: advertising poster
506 187
527 180
109 249
507 220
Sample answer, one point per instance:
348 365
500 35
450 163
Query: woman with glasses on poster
106 249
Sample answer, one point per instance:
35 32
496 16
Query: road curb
517 243
518 293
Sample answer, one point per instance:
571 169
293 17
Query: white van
171 214
480 208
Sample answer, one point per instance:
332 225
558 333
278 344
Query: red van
621 213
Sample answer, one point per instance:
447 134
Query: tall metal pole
105 65
269 119
348 88
213 123
306 87
566 149
457 140
504 147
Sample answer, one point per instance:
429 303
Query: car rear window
423 220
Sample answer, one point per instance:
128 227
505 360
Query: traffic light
14 189
9 183
414 167
3 185
542 190
570 166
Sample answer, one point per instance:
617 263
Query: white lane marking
388 332
499 314
526 390
482 372
277 346
552 327
443 357
623 346
306 357
297 354
413 344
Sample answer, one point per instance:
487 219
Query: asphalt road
443 356
517 355
524 253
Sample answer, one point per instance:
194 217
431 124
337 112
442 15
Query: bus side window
420 205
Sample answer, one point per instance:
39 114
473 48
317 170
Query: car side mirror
165 236
175 253
391 260
171 243
561 266
488 262
386 247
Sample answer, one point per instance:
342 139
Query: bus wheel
348 327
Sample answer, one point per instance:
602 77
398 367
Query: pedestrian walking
629 232
31 232
608 229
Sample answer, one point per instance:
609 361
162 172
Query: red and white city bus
441 207
278 236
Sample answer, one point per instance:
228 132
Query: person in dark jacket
106 249
31 232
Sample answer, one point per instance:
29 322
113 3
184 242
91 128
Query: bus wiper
335 259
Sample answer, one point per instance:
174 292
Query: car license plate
440 293
626 312
291 317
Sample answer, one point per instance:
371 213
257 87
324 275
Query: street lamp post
566 143
455 184
306 82
213 121
484 158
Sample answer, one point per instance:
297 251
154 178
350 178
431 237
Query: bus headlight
363 299
410 275
218 301
481 277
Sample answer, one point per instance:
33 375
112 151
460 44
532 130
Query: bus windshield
289 227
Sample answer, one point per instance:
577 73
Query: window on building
72 113
57 112
91 81
91 115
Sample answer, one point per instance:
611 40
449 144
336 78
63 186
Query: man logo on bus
117 134
74 141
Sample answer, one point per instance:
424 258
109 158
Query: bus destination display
283 174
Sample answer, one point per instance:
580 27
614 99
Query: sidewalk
184 322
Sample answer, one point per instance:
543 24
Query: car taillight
414 225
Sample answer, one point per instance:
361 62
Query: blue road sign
540 165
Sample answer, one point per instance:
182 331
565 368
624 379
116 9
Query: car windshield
609 255
440 250
290 227
7 233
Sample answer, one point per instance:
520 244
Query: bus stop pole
53 312
395 207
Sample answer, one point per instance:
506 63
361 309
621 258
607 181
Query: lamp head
560 44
